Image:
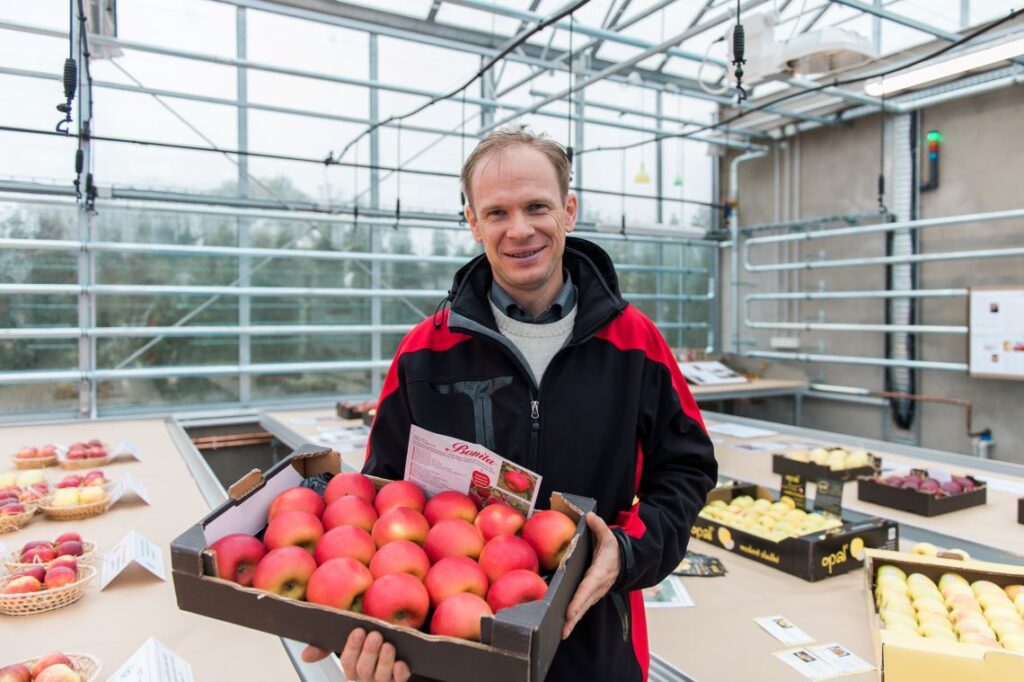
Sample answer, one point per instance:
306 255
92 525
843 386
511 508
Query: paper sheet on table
740 431
782 629
669 592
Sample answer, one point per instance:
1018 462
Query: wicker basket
87 667
87 463
88 550
12 522
34 463
75 512
46 600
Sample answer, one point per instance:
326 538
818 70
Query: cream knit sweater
537 342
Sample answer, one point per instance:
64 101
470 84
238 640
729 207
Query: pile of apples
92 478
978 612
28 452
55 565
44 551
835 459
18 489
394 555
764 518
74 489
55 667
91 450
928 485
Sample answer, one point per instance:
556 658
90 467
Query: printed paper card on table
669 592
154 662
126 450
126 484
133 548
782 629
437 463
824 661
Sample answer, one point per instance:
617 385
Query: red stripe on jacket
634 331
423 336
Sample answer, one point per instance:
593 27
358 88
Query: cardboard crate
812 472
517 644
812 557
916 502
906 658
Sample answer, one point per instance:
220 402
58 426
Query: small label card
841 658
669 592
154 662
126 484
127 450
795 486
694 564
807 664
781 629
133 548
829 496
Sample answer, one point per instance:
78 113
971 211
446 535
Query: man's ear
571 207
474 228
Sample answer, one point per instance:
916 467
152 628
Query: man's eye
496 214
537 207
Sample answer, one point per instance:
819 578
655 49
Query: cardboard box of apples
838 464
926 492
463 595
778 533
937 618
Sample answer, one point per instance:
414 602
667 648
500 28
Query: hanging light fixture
642 178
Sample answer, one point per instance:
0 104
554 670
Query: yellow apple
27 478
1014 643
925 549
936 629
65 497
1007 612
92 493
903 627
930 616
991 599
8 479
1011 590
930 604
788 501
889 569
1019 604
892 616
952 578
983 640
819 455
800 456
982 586
974 628
858 458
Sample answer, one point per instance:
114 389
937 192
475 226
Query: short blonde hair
502 139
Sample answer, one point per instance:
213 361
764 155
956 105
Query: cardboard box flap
245 485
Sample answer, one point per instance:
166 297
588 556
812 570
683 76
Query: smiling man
541 360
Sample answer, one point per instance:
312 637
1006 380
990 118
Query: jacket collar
590 267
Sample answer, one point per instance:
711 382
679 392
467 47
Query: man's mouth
525 254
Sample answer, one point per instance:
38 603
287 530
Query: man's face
520 216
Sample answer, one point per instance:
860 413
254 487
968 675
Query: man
541 360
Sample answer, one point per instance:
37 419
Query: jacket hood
590 267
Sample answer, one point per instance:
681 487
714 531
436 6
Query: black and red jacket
611 419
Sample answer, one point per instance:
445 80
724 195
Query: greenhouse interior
365 267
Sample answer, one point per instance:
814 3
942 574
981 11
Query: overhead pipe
734 233
857 360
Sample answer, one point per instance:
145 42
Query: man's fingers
312 654
366 665
401 672
350 654
385 663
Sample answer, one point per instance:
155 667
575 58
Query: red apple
15 673
12 508
284 571
43 662
23 584
59 673
94 477
96 452
65 560
293 528
70 482
397 598
297 499
516 587
35 543
453 537
400 556
66 537
37 572
237 556
350 510
345 541
453 575
499 519
449 505
400 523
77 454
48 450
516 482
549 533
26 453
10 493
72 547
507 553
459 616
400 494
339 583
59 577
39 555
350 483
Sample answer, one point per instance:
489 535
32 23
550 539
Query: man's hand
604 569
366 658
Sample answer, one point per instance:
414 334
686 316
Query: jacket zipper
534 431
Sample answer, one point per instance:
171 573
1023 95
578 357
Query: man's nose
520 227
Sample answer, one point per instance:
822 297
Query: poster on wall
997 333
